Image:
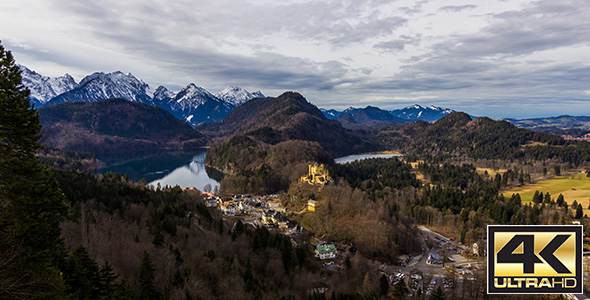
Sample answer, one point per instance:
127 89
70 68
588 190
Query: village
443 262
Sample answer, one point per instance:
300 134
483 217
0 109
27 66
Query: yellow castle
317 175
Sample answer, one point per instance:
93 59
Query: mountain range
192 104
569 126
376 116
195 105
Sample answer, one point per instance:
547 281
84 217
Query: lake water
184 168
351 158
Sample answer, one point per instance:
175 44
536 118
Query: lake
351 158
184 168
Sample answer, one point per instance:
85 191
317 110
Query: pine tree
107 281
400 290
31 202
383 285
146 277
579 212
438 294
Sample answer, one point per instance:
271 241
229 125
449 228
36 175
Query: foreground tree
31 202
147 278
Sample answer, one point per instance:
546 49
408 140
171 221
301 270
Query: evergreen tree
400 290
31 203
146 277
538 197
383 285
560 200
107 281
579 212
81 275
438 294
547 198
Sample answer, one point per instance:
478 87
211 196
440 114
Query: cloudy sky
497 58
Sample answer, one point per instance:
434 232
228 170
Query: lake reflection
351 158
167 167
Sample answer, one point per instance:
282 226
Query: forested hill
273 141
483 138
114 125
286 117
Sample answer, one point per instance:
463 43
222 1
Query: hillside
287 117
265 144
114 125
457 135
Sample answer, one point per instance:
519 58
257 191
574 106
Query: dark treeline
373 175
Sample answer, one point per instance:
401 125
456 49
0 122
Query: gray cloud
336 52
398 44
453 8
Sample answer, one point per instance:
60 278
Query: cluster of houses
272 218
236 205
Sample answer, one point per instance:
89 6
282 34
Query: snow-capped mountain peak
418 112
162 93
258 94
350 110
193 94
236 95
44 88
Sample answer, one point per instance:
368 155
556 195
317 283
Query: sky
494 58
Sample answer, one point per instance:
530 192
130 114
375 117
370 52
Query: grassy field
577 188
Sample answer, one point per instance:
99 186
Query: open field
577 188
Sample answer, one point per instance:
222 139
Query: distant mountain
196 105
408 114
192 104
570 126
235 95
330 113
114 125
45 88
420 113
99 86
370 116
162 95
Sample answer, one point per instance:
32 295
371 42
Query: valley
279 207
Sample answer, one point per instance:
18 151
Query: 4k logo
534 259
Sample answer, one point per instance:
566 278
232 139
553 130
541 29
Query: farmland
576 187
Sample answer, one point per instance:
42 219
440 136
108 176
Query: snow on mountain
100 86
196 105
193 104
330 113
418 112
258 94
44 88
351 110
192 96
235 95
162 93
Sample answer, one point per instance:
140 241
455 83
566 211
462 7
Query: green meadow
572 188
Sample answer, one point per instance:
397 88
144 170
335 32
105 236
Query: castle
317 175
